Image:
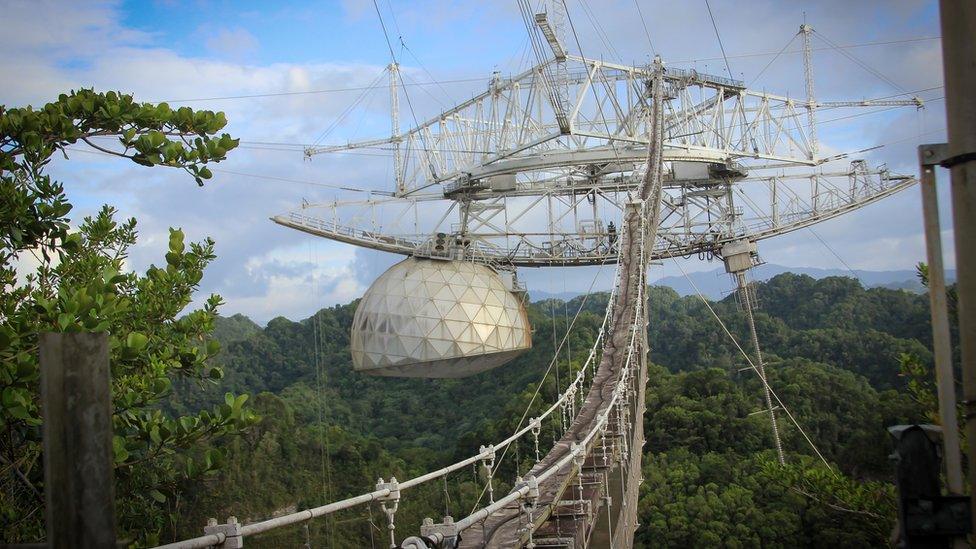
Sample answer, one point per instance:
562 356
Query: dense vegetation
834 350
79 283
847 361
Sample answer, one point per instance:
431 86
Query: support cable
325 449
413 114
589 78
719 37
753 366
600 32
552 319
835 254
373 86
858 62
771 61
603 330
644 23
385 34
482 79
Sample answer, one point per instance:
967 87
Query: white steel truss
521 176
566 219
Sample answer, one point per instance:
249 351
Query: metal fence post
929 157
957 19
79 482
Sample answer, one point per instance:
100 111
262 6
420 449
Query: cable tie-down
488 463
389 503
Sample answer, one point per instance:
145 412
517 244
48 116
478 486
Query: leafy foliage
833 320
710 475
80 284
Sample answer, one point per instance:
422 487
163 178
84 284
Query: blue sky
176 50
310 32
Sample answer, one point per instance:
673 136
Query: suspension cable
753 366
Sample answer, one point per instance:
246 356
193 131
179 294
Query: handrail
196 543
485 454
582 447
308 514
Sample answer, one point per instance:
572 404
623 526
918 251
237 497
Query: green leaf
64 320
18 412
136 341
239 403
154 435
213 346
118 447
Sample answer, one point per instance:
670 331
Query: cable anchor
390 503
488 463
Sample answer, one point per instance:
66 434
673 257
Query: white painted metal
395 127
806 31
511 173
563 220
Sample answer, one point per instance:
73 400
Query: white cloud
261 270
232 43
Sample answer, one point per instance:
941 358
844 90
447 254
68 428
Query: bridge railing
529 489
231 534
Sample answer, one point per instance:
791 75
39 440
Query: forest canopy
710 472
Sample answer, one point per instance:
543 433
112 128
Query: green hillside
834 351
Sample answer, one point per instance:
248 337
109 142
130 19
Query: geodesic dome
435 318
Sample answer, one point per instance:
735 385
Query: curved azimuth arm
513 124
571 221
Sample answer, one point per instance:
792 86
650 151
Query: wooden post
79 483
958 18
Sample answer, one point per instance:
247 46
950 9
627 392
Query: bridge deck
508 528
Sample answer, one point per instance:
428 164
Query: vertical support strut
806 31
395 127
929 157
958 17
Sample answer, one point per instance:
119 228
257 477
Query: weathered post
930 156
958 18
79 484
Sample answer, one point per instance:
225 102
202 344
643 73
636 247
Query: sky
298 57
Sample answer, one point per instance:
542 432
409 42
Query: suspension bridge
539 170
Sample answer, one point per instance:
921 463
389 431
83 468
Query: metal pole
806 31
395 128
79 481
958 19
929 155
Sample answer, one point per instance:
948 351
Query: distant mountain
228 329
716 284
539 295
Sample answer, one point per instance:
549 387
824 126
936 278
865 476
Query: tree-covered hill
833 349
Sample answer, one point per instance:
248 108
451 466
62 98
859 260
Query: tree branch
103 149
